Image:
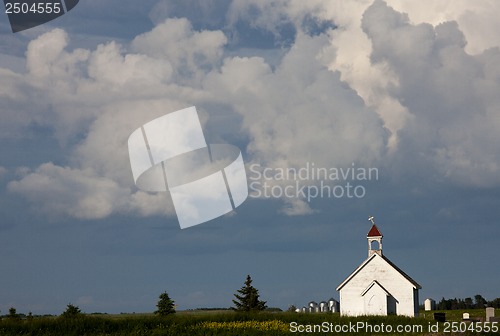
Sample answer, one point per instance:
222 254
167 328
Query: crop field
226 323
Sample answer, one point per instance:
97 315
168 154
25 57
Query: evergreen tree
71 311
494 303
13 314
468 303
165 305
480 301
248 298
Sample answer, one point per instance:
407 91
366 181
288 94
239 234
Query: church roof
374 232
414 283
375 255
373 283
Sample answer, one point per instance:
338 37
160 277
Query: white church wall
375 301
351 301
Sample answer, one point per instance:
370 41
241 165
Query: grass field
225 323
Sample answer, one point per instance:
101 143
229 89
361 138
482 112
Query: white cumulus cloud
96 98
449 93
407 91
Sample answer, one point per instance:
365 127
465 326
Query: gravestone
490 312
440 317
465 316
429 304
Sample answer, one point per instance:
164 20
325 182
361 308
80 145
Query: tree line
247 299
479 302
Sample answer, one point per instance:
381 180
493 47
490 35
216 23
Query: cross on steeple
372 219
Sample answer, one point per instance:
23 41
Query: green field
225 323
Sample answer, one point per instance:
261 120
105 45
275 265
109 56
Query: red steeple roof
374 232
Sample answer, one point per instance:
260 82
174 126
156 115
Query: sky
405 90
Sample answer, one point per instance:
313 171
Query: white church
377 286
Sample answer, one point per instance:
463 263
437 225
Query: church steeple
374 235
